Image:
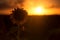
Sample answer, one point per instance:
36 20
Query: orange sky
44 3
29 4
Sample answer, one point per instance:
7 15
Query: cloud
56 4
7 4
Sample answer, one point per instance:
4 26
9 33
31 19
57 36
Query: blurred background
43 17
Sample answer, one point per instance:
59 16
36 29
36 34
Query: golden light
40 7
36 11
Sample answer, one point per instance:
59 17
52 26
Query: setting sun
36 11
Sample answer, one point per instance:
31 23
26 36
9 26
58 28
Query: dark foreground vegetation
36 28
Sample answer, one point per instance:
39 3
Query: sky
52 6
7 5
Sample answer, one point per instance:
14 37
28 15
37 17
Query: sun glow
36 11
